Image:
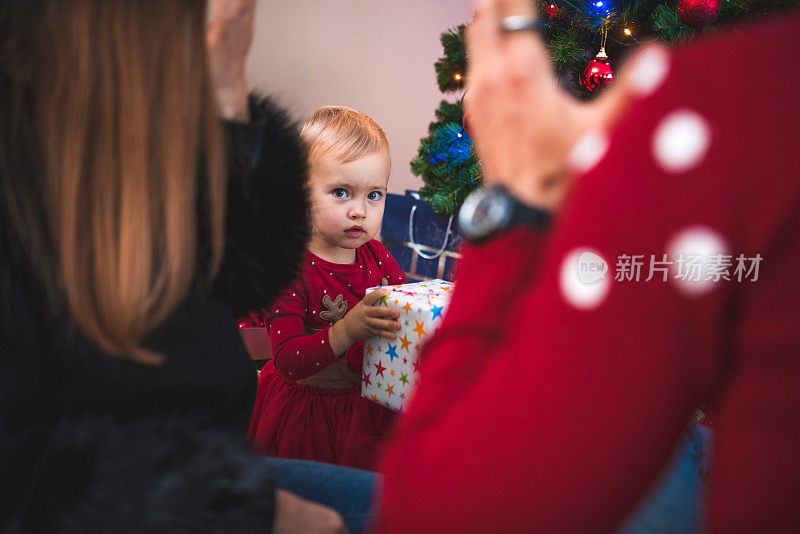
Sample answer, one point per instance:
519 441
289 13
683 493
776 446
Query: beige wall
373 55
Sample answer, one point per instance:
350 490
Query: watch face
484 212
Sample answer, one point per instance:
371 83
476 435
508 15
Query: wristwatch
490 210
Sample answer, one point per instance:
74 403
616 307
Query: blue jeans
348 491
674 503
672 506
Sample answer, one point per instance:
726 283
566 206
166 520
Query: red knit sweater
549 402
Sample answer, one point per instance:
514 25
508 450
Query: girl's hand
229 35
524 127
364 321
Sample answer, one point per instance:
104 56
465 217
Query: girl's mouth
355 231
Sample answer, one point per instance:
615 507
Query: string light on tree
602 6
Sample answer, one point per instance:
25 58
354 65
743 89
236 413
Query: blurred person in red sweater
645 269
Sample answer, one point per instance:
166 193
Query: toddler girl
308 404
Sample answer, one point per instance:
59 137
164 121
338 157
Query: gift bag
390 369
424 244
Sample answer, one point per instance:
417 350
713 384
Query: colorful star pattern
419 329
420 304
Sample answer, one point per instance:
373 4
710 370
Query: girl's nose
357 211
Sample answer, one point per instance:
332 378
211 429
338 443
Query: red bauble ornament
698 13
466 123
598 72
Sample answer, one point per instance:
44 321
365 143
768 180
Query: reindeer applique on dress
308 404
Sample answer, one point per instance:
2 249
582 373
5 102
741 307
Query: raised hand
229 35
364 321
523 126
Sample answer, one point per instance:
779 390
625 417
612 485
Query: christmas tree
585 40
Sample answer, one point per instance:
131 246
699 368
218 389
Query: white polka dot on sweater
584 278
588 151
681 140
691 251
312 263
649 71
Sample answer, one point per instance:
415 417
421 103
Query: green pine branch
451 69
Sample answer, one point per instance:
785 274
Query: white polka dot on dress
649 71
588 151
681 140
584 278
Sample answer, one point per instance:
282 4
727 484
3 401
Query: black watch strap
526 215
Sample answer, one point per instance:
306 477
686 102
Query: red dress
327 424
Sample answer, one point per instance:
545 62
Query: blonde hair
342 132
125 117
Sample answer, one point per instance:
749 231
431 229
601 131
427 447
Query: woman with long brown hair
131 235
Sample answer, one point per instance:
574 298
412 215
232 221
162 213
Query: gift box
390 373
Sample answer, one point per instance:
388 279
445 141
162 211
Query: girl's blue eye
375 195
340 193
